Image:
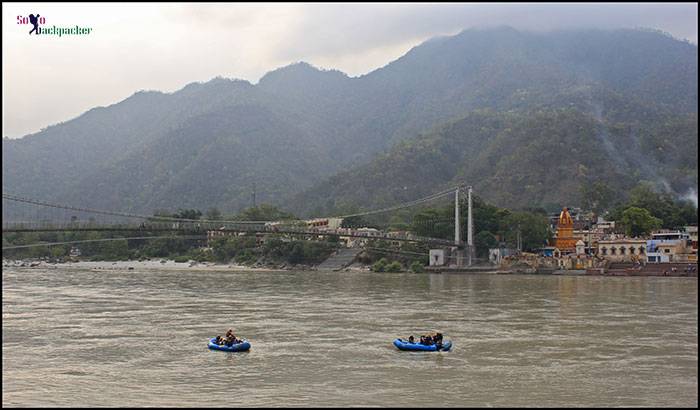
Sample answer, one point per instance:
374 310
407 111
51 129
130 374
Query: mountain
541 158
208 144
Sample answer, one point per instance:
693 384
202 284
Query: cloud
329 30
166 46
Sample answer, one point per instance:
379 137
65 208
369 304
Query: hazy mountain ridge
169 150
516 159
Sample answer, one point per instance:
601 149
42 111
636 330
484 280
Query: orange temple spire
565 241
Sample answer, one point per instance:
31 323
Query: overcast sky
163 47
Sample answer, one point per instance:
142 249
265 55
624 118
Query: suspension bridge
42 216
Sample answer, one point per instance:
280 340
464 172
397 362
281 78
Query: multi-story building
622 249
670 246
692 231
324 224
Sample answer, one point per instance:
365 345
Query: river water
139 338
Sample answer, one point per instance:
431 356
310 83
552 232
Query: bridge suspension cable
34 245
405 204
17 198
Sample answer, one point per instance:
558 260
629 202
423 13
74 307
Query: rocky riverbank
155 264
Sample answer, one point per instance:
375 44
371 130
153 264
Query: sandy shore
132 265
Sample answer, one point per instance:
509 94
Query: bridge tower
457 238
469 249
457 253
470 236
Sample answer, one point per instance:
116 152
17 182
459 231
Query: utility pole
254 205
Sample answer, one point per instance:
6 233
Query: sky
164 46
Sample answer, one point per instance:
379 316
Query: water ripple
324 339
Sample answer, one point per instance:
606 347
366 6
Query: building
439 257
597 231
623 249
496 255
604 226
220 233
366 233
565 241
670 247
223 232
692 231
324 224
547 251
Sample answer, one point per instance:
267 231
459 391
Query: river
139 338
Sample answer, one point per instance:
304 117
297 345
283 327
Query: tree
264 212
188 214
435 223
398 222
59 251
639 221
296 254
380 265
417 267
357 222
597 196
534 229
213 214
483 241
394 266
672 213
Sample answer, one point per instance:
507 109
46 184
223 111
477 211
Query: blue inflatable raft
417 347
236 347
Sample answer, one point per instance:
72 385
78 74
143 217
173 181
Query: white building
324 224
668 246
439 257
623 249
496 255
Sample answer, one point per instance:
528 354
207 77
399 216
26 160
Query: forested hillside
536 109
521 159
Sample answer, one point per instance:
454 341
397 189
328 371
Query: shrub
380 265
394 266
417 267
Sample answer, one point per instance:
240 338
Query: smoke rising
692 196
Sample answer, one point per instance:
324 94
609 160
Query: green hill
542 158
208 144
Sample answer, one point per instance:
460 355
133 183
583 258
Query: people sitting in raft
219 340
437 339
431 339
231 338
428 340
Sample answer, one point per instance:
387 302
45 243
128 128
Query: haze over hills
535 159
527 117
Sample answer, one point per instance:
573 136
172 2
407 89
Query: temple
565 241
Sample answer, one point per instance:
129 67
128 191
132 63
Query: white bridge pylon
470 237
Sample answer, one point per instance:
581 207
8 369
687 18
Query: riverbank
153 264
159 264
